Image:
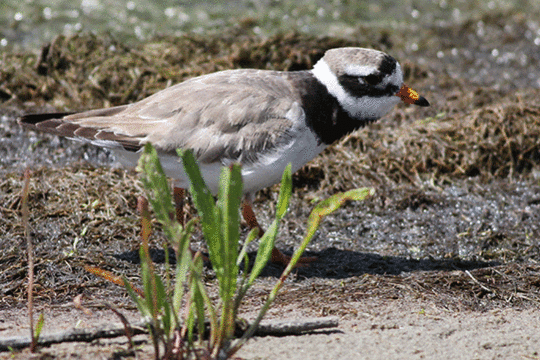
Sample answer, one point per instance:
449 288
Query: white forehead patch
360 70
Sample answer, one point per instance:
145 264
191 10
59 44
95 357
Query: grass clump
163 300
177 307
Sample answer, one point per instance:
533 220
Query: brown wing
61 124
226 115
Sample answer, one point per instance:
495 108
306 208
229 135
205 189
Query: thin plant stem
30 253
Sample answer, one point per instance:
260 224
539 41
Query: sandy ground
406 330
395 329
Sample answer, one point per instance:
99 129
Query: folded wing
234 115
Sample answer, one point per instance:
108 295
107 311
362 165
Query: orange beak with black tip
410 96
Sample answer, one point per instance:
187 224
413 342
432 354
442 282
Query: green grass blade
197 296
164 310
267 241
139 301
230 198
253 234
204 202
285 192
183 264
158 191
327 206
243 287
39 327
264 252
155 182
214 324
148 283
321 210
190 320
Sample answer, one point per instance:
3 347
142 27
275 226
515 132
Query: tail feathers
58 124
31 120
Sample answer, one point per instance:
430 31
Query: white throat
365 107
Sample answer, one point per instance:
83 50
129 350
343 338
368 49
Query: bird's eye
373 79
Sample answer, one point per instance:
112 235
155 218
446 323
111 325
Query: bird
261 119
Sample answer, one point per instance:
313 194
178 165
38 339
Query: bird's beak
410 96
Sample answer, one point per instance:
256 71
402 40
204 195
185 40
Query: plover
259 118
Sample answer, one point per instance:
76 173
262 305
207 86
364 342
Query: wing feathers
228 116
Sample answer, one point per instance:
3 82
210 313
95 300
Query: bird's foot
280 258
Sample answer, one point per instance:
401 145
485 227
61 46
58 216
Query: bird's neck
324 115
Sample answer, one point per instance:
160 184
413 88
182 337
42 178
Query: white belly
266 172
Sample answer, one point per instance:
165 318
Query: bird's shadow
334 263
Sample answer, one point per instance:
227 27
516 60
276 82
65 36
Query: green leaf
331 204
324 208
209 213
252 235
183 264
190 320
197 296
158 191
214 324
266 245
284 193
139 301
264 252
39 327
229 200
146 277
163 309
203 199
155 182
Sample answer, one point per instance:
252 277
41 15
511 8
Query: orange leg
277 256
251 219
249 216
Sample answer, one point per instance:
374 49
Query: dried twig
30 252
73 335
478 282
269 328
128 330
